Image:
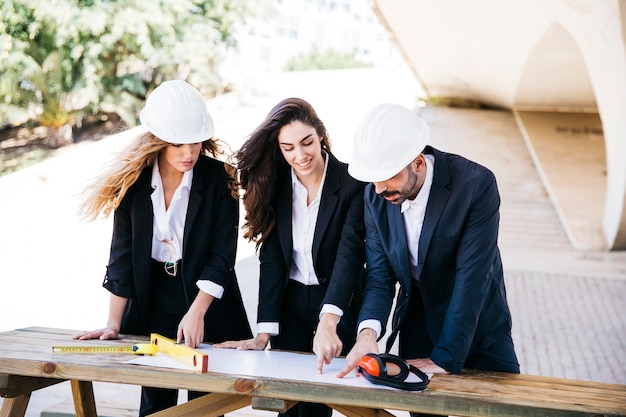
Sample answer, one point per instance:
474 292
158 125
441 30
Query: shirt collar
156 177
295 182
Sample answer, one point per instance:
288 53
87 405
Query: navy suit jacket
460 271
209 248
338 244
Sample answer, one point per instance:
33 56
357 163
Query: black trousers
415 342
167 308
157 399
298 322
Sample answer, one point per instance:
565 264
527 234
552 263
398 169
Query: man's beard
405 193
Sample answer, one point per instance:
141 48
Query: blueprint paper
265 363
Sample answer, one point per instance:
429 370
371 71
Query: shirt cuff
330 308
210 288
370 324
266 327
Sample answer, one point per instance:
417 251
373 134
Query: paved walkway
567 305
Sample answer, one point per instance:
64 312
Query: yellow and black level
139 349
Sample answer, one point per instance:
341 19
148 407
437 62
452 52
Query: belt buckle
171 268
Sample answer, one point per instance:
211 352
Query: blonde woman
171 265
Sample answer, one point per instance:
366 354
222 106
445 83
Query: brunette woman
305 214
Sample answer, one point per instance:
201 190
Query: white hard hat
386 140
176 113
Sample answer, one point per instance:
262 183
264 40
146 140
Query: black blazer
209 249
338 243
461 279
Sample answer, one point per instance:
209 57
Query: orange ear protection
374 368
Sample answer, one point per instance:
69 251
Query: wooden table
27 364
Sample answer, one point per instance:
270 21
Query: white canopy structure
560 66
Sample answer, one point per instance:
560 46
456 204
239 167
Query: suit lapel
328 202
144 215
437 200
195 200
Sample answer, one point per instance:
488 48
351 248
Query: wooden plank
108 368
210 405
528 390
360 411
426 402
438 401
28 353
14 407
105 409
272 404
13 385
84 402
545 381
28 343
48 330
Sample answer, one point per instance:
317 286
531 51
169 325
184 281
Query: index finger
320 364
349 367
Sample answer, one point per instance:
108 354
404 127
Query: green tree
61 60
320 60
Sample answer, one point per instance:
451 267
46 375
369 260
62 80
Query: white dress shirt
413 212
168 227
303 222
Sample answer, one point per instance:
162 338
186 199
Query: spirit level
184 354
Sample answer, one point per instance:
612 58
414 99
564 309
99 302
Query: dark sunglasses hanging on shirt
374 368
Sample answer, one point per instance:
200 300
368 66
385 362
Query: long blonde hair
106 192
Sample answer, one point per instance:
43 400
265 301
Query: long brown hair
259 162
106 192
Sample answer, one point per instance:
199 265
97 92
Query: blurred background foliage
64 60
321 60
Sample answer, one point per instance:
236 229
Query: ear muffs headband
374 368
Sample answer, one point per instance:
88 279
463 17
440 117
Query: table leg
15 407
210 405
84 402
353 411
272 404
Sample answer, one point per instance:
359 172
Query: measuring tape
139 349
158 344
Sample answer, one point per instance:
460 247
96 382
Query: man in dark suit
432 226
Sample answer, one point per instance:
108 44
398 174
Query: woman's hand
258 343
117 305
326 344
427 365
191 328
102 334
